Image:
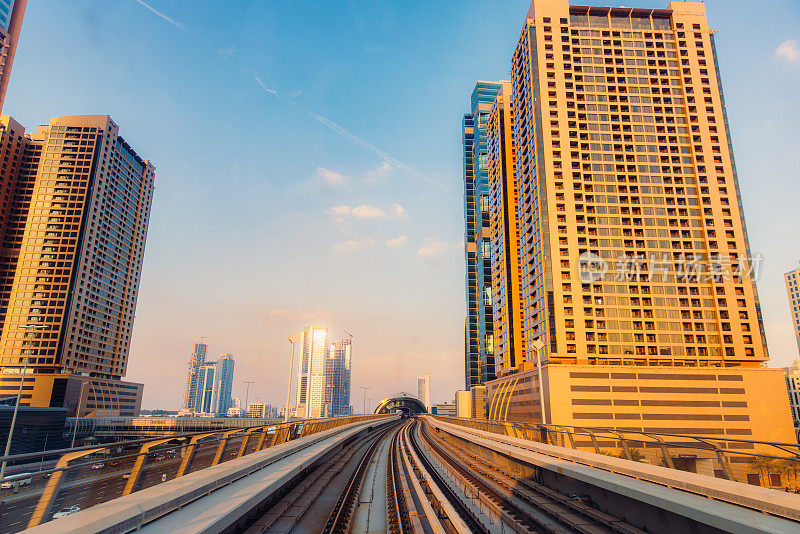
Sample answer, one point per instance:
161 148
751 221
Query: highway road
85 487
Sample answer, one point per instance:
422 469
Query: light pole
29 327
292 340
247 395
364 405
77 415
538 345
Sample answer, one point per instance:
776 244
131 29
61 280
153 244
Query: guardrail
86 476
760 463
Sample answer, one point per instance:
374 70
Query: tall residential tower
337 379
792 279
638 282
75 214
197 358
11 14
311 370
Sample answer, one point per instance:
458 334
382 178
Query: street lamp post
77 415
247 396
29 327
292 340
364 405
538 345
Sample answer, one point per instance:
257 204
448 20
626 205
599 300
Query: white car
64 512
98 466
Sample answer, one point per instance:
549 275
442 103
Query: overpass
384 473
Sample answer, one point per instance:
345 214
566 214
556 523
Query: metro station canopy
404 402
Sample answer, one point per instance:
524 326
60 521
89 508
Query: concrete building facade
792 279
637 274
11 14
76 207
509 346
314 349
424 390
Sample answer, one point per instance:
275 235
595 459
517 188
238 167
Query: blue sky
309 170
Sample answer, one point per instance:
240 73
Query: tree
762 464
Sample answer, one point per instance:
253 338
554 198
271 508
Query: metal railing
86 476
761 463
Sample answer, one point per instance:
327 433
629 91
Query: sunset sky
309 167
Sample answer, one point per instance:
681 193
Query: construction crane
351 336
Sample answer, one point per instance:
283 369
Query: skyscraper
311 370
637 275
478 337
792 279
73 242
197 359
337 378
207 388
11 14
424 390
225 365
509 347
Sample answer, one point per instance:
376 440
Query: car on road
64 512
113 463
22 479
161 457
98 466
126 476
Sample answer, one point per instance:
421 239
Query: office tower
793 388
479 341
509 347
236 408
478 402
793 291
207 388
73 242
197 359
463 402
311 370
225 365
637 274
11 14
337 378
424 390
257 410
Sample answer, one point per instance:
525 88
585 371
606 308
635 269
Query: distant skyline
309 168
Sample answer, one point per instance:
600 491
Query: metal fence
760 463
86 476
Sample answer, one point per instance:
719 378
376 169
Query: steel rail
396 508
514 511
484 469
341 516
459 514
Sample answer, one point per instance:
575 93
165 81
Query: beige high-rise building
792 279
636 271
509 347
11 15
76 203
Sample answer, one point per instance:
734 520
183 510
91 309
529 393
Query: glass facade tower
479 338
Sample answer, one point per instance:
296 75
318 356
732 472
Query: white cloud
366 211
161 15
378 173
397 242
354 244
227 52
434 247
789 51
331 178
